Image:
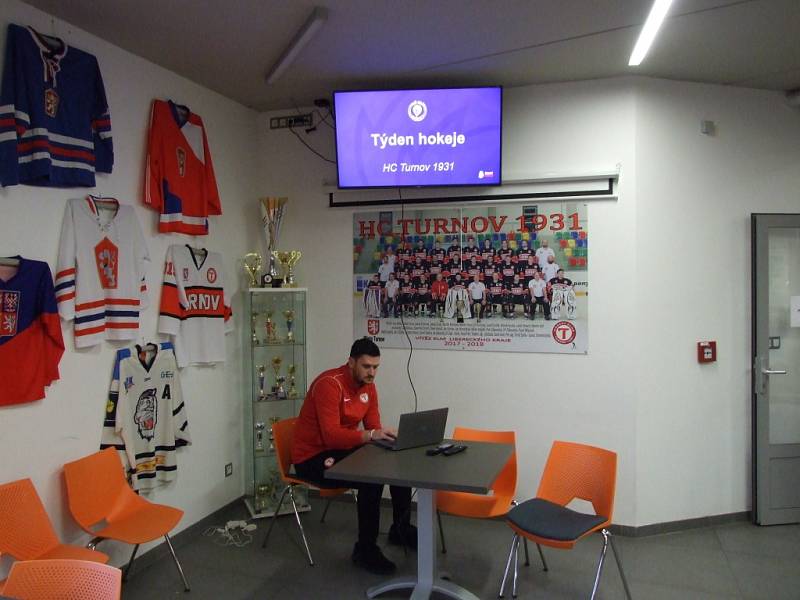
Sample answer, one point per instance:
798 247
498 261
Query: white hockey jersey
100 279
195 305
146 415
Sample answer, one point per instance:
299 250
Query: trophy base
277 282
266 280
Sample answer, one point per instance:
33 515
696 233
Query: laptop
423 428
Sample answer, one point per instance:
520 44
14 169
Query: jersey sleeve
13 116
153 193
180 421
327 395
101 126
51 325
212 193
66 270
110 437
172 309
142 265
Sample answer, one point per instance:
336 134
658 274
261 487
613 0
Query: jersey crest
145 415
51 103
106 255
211 275
9 313
181 155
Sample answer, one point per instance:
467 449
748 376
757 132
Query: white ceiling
228 46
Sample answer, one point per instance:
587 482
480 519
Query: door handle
773 372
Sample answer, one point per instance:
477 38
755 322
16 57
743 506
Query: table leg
427 579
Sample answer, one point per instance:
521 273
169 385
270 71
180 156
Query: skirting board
161 552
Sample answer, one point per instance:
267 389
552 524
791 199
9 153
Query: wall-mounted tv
415 138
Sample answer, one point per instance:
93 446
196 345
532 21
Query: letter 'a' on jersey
145 415
179 175
31 345
195 305
102 262
55 129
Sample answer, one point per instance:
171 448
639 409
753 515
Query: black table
473 470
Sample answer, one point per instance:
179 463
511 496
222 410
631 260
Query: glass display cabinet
275 362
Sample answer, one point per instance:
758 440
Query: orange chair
98 491
572 471
283 440
63 580
480 506
26 532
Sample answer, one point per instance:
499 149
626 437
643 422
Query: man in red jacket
337 403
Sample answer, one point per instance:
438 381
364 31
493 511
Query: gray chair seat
552 521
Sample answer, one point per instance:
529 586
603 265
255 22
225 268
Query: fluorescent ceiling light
649 31
309 29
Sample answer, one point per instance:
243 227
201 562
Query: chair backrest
25 529
579 471
506 482
96 487
283 440
63 580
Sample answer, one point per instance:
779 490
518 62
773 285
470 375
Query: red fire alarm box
706 352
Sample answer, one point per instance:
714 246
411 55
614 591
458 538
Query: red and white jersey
195 305
100 279
179 176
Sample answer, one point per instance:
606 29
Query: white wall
36 439
669 267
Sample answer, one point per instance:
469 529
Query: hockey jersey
30 333
179 175
146 415
102 262
55 129
195 305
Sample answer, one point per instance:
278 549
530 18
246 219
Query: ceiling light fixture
309 29
649 31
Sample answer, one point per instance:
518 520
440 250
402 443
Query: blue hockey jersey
55 129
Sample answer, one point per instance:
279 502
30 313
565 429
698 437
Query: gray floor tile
652 591
746 538
775 578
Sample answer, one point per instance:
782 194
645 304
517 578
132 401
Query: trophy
292 388
261 396
272 210
460 305
263 495
288 260
269 325
276 366
253 336
289 314
272 421
252 264
260 426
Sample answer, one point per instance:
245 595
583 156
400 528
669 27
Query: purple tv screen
408 138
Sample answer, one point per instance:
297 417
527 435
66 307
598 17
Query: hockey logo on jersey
9 313
212 275
146 411
186 273
106 255
51 103
181 153
128 383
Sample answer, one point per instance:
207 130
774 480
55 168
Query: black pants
369 494
541 300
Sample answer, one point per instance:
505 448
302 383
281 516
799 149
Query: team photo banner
506 278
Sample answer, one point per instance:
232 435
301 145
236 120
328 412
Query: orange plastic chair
482 506
283 440
97 491
572 471
26 532
63 580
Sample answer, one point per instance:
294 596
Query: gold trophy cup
289 314
252 264
276 363
288 261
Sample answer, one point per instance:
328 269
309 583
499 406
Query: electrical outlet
306 120
228 469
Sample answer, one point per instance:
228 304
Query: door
776 368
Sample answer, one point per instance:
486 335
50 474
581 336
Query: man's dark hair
364 346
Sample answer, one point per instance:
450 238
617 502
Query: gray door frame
763 451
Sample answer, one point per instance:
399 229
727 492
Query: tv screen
413 138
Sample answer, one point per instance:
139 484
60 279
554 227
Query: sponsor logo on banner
564 332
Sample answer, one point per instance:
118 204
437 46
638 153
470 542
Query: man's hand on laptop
387 434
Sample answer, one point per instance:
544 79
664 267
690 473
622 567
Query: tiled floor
731 561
